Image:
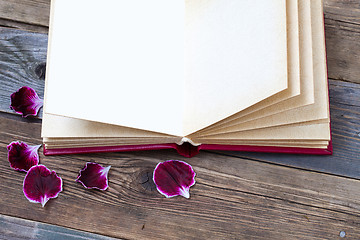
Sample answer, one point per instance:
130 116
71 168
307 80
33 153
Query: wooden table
236 196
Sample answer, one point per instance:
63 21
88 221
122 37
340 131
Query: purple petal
94 176
174 178
26 102
22 156
41 184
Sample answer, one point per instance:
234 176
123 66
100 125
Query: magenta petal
22 156
41 184
174 178
26 102
94 176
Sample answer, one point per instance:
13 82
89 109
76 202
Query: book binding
188 150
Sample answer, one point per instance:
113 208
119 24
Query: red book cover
188 150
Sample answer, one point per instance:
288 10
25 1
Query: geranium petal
26 101
174 178
41 184
22 156
93 175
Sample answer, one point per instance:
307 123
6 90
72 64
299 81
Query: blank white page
236 56
117 61
122 62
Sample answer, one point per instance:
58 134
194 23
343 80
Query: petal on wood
22 156
25 101
41 184
173 178
93 175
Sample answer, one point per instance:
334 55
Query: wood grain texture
343 10
342 29
23 26
34 12
233 198
12 228
342 43
21 56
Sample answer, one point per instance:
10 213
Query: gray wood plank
35 12
12 228
342 30
23 26
22 59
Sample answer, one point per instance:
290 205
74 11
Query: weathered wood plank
342 29
233 198
22 55
23 26
343 10
35 12
12 228
343 49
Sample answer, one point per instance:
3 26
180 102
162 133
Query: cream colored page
110 143
117 62
281 119
98 144
279 113
101 140
319 111
267 144
236 56
314 132
293 57
283 142
63 127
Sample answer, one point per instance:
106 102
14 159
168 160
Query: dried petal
93 175
41 184
174 178
22 156
26 101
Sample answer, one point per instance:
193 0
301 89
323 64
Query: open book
246 75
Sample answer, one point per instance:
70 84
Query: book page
63 127
306 97
294 84
319 110
122 62
236 56
318 131
313 130
81 144
117 62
